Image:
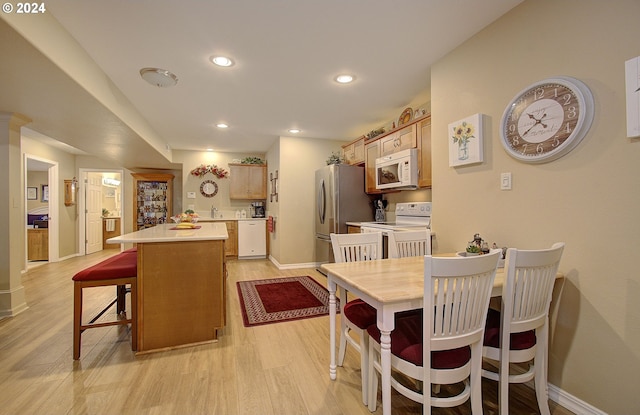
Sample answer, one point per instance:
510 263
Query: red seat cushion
519 341
123 265
360 313
406 343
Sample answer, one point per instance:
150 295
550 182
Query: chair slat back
409 243
351 247
460 289
529 285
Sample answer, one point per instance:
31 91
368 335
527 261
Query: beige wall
588 199
67 220
273 206
189 183
37 179
299 160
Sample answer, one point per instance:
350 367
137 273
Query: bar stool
119 270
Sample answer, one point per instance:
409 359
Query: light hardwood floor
275 369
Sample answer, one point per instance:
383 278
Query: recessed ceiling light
222 125
294 131
209 149
221 61
345 79
158 77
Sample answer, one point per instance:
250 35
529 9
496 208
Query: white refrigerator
340 198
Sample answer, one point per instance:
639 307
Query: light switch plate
191 195
505 181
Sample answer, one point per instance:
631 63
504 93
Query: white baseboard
291 266
572 403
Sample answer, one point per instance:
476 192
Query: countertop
205 219
208 231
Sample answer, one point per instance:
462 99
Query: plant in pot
473 249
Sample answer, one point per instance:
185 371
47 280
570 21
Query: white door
94 213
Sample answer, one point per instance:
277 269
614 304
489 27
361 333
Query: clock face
208 188
547 120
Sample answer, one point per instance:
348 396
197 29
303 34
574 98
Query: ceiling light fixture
158 77
294 131
344 79
222 125
222 61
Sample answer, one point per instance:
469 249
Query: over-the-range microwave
398 170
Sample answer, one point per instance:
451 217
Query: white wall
588 198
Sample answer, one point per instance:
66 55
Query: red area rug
275 300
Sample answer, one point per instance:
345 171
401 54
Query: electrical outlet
505 181
191 195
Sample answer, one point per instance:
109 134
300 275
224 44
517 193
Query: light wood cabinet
181 293
416 135
371 153
231 244
38 244
152 193
106 233
248 181
353 229
353 153
424 152
70 192
398 140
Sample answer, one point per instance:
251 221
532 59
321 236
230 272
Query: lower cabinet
231 244
110 229
38 244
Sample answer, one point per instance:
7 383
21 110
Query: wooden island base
181 293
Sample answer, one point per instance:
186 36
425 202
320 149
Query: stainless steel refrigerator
340 198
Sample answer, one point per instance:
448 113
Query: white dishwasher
252 238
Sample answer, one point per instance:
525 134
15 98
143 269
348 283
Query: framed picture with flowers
465 141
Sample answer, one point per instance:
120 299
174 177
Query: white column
12 218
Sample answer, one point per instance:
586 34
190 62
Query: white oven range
409 216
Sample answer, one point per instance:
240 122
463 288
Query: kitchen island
181 284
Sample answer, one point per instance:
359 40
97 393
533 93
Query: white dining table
391 286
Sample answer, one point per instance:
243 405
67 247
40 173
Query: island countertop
207 231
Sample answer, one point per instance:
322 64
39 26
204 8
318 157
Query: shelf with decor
152 193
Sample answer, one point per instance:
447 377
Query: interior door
93 227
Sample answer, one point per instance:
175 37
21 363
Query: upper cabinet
353 153
372 152
70 192
398 140
417 134
151 199
248 181
423 129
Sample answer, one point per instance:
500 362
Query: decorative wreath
202 169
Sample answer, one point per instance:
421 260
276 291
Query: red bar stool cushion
125 264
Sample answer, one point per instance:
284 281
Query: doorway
41 211
101 209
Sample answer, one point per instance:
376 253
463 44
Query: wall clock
208 188
547 119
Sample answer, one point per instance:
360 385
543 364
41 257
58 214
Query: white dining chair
356 314
457 291
519 333
403 244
